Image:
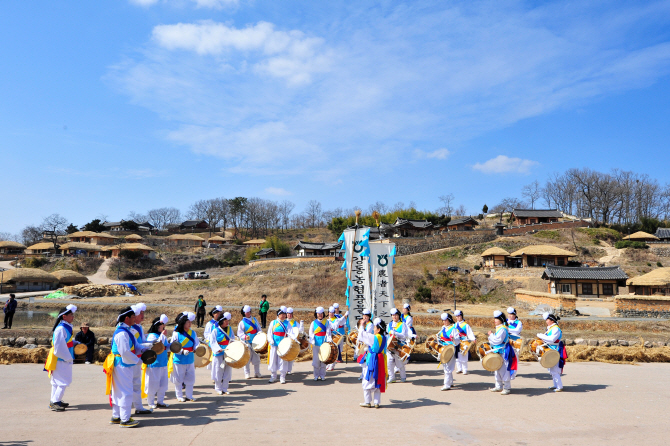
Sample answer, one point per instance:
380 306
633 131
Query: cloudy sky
126 105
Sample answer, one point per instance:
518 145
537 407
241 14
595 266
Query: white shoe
390 381
496 389
552 388
88 363
558 390
282 381
458 371
272 380
289 373
365 405
181 400
506 392
258 376
247 377
445 388
219 392
465 373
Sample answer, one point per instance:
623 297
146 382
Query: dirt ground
602 404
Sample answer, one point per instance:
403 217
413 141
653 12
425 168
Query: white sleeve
311 333
240 331
366 338
302 327
517 331
122 342
271 341
329 334
553 338
341 322
196 341
153 337
213 343
208 330
60 344
469 334
407 332
497 339
401 336
409 320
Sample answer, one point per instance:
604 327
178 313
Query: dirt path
100 277
612 254
6 265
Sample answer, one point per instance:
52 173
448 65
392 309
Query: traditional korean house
94 238
585 282
27 279
255 242
495 257
641 236
663 234
11 248
534 216
68 277
654 282
194 224
541 255
309 249
412 228
82 249
185 240
146 251
462 224
266 253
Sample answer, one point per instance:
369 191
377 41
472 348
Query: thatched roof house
133 238
68 277
147 251
95 238
542 255
40 248
8 247
495 256
255 242
27 279
654 282
186 240
79 248
217 239
641 236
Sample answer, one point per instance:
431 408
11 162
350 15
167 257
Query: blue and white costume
449 335
401 332
247 330
277 331
297 328
125 361
514 327
141 345
373 363
209 326
319 332
552 337
183 372
156 378
499 341
219 339
465 334
337 323
63 349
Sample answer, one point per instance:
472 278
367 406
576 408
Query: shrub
604 234
548 235
251 253
630 244
477 267
130 254
423 294
34 262
281 248
659 264
648 264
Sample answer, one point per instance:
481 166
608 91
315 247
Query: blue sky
118 106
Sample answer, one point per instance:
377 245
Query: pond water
24 319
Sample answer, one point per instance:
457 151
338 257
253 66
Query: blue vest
279 330
499 348
162 359
223 338
185 359
68 338
131 342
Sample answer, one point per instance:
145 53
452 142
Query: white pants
289 366
223 375
318 366
156 384
339 348
395 363
371 394
61 378
137 386
255 360
276 364
448 369
503 379
555 372
183 374
122 392
462 362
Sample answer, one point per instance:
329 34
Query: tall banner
382 258
355 243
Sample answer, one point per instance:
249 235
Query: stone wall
562 304
661 251
515 230
406 246
642 306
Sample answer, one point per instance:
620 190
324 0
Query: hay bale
9 355
98 290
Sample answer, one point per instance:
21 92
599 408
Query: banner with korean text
382 258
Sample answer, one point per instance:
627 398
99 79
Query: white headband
246 309
394 311
283 308
331 309
511 310
142 307
405 305
124 314
458 313
319 309
377 321
191 316
136 309
218 308
164 319
545 316
497 313
336 305
367 312
444 316
71 307
289 310
227 315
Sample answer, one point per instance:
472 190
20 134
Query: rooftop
641 235
598 273
461 220
657 277
264 252
537 213
421 224
495 251
317 246
663 233
542 250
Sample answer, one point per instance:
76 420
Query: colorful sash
462 331
250 327
376 363
139 335
338 329
320 332
279 331
223 339
397 329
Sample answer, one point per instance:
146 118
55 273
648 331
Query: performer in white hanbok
319 332
499 340
464 334
119 369
247 330
397 329
277 331
374 364
514 327
141 345
337 323
407 318
449 335
61 357
552 337
183 369
156 374
297 328
219 339
216 314
361 349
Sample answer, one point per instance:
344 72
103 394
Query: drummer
61 357
211 325
183 373
319 332
465 334
141 345
219 338
364 324
552 337
374 363
499 340
337 323
277 331
397 329
156 376
119 369
514 326
297 328
449 335
407 318
247 330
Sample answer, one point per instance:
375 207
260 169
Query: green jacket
264 306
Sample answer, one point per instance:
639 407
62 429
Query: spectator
86 336
200 311
9 309
264 306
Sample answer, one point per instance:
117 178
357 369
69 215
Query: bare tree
447 204
137 217
162 217
460 210
8 236
313 213
31 235
211 211
285 209
54 226
532 192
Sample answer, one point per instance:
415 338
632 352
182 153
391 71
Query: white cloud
439 154
143 3
277 191
505 164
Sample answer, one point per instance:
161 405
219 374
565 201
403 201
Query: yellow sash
170 366
144 374
108 367
51 362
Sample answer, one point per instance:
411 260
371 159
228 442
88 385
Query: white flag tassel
382 258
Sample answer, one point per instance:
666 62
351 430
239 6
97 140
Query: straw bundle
97 290
27 275
9 355
133 237
69 277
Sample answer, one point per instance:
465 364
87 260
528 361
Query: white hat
394 311
289 310
136 309
511 310
163 319
142 307
246 309
497 313
366 311
406 305
71 307
458 313
331 309
191 316
319 309
545 316
377 321
283 308
218 308
227 315
336 305
444 316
